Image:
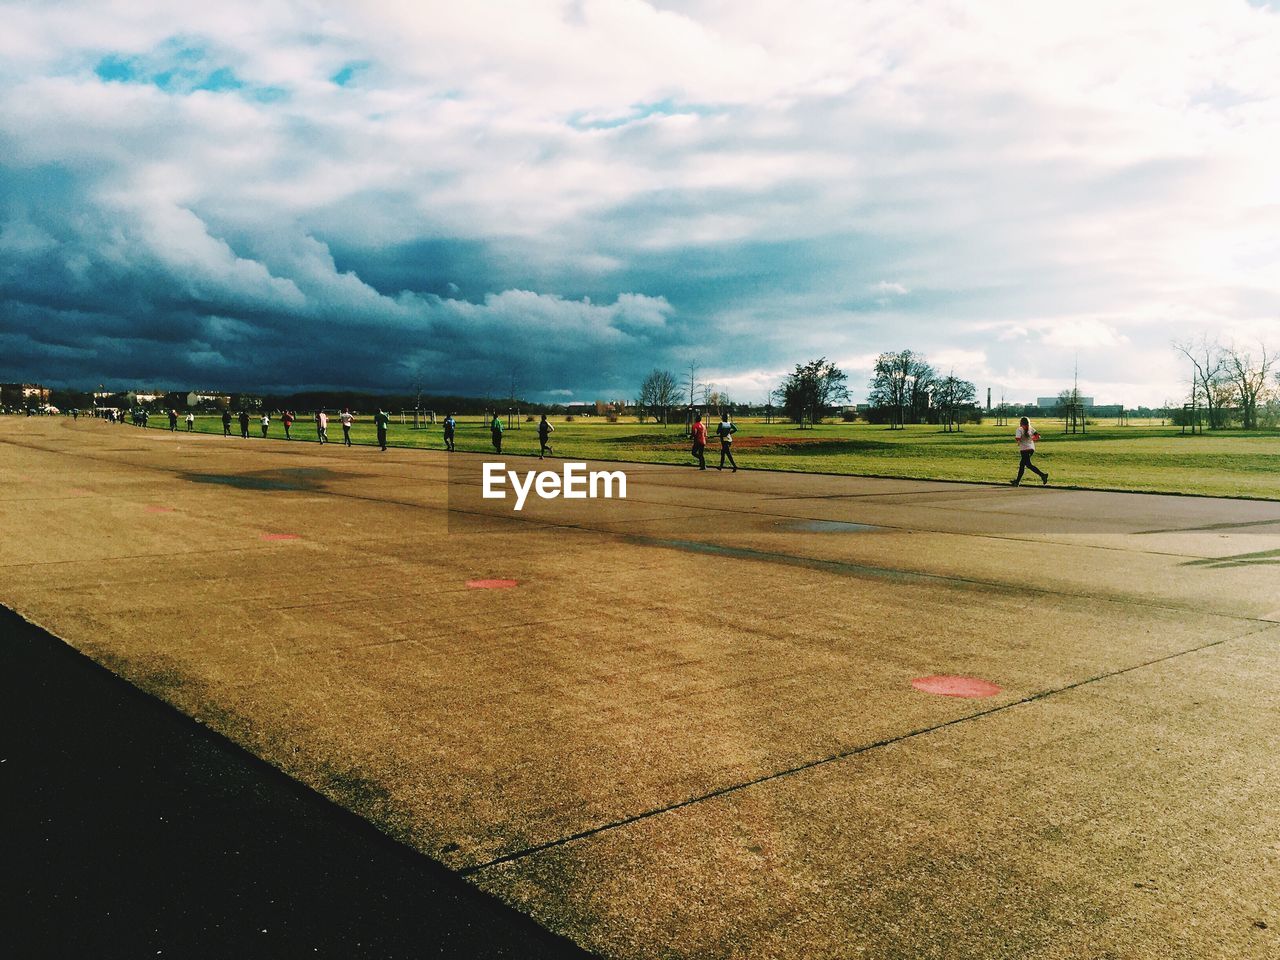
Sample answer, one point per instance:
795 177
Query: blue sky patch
180 67
349 72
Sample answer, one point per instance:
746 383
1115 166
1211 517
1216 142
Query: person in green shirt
380 420
495 429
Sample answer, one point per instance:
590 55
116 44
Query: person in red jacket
699 441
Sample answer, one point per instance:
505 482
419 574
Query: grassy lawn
1145 457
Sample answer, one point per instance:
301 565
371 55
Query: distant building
23 394
1050 403
197 398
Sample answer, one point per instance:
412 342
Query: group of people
1026 435
725 430
289 417
545 429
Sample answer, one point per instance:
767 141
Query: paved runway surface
695 726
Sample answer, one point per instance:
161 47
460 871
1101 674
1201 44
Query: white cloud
889 287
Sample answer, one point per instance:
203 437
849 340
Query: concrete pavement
690 728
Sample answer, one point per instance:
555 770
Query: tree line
904 389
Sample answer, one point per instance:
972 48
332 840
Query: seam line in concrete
842 755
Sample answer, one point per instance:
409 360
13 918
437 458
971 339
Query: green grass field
1146 457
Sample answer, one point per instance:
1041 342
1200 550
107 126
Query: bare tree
902 383
1248 378
658 394
691 382
951 395
719 399
1207 363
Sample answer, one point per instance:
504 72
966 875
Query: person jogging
699 441
191 421
173 419
347 419
322 426
226 423
286 418
244 424
725 431
266 422
545 430
450 425
1027 438
495 430
380 420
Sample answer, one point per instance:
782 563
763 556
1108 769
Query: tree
659 392
901 384
811 389
1207 364
720 400
691 382
1248 378
950 396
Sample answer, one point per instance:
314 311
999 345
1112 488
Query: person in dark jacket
725 431
495 430
544 437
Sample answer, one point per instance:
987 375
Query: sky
565 195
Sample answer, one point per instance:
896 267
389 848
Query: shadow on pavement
132 831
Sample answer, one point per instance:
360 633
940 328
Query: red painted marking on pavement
153 508
279 536
945 686
491 584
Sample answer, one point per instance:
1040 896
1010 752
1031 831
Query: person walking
725 431
544 436
173 419
347 419
266 422
322 426
495 430
191 421
450 425
244 424
1027 437
380 420
226 423
699 441
286 418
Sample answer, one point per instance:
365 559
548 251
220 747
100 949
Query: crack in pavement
842 755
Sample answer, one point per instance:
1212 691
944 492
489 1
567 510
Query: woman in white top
1027 438
191 421
347 420
266 422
